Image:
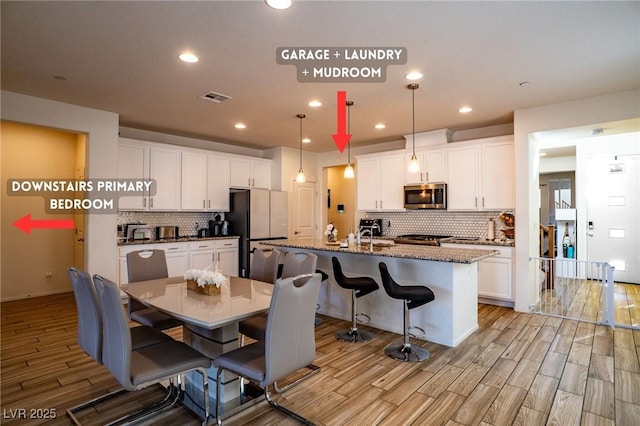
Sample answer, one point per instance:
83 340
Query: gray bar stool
359 286
413 296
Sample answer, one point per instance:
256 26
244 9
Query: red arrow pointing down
341 138
26 224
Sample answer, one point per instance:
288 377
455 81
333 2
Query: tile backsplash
185 220
457 224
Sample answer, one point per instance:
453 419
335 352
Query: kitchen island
452 274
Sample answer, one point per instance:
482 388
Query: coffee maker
216 226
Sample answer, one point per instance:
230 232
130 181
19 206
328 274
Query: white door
303 207
613 230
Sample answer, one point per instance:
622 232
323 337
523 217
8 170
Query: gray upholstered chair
264 265
294 264
137 369
90 330
289 343
143 265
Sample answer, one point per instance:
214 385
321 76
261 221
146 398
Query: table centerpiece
206 281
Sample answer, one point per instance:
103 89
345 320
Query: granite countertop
175 240
421 252
479 242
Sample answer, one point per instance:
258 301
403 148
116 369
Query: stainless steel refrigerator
257 215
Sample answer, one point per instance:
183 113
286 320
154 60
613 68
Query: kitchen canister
491 230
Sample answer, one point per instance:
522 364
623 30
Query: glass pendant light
414 164
300 177
348 171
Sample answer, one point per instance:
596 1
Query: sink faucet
364 229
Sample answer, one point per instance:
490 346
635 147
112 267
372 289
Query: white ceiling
122 57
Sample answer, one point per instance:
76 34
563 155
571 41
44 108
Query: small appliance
167 232
426 196
368 223
139 232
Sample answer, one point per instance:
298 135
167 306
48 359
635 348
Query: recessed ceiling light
315 103
306 140
188 57
240 126
380 126
413 75
465 109
278 4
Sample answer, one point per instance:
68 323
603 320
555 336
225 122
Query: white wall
101 128
590 111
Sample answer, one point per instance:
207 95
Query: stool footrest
366 319
421 333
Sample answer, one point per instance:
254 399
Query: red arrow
25 224
342 138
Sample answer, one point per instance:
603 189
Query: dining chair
264 265
289 343
90 331
144 265
137 369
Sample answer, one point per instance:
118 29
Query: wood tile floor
518 368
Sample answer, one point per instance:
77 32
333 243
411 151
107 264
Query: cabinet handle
144 202
253 182
172 248
380 203
426 174
202 246
209 204
476 201
151 203
249 182
376 204
482 201
228 244
203 204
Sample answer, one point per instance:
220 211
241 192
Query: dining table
210 325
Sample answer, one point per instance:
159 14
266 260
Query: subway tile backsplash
457 224
185 220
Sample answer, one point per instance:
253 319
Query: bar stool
413 296
359 286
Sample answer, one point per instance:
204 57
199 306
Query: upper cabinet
140 161
249 172
205 182
433 167
481 175
380 181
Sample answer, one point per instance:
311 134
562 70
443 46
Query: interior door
613 230
303 210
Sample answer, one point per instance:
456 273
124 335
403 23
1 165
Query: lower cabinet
495 273
188 255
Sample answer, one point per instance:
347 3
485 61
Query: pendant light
300 177
348 171
414 164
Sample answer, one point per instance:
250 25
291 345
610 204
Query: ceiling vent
214 97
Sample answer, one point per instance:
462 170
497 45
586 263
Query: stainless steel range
427 240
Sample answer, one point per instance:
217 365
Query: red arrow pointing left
26 224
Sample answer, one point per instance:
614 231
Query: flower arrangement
207 281
331 232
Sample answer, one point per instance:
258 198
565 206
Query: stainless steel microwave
426 196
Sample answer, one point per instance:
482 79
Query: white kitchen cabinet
205 182
481 175
247 172
143 161
380 182
433 167
495 273
133 163
201 254
164 168
224 252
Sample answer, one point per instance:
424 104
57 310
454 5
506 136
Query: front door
303 207
613 203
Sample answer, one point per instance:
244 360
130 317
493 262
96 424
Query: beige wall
343 191
101 129
30 152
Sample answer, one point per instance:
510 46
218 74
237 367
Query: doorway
340 203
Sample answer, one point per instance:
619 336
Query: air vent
214 97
